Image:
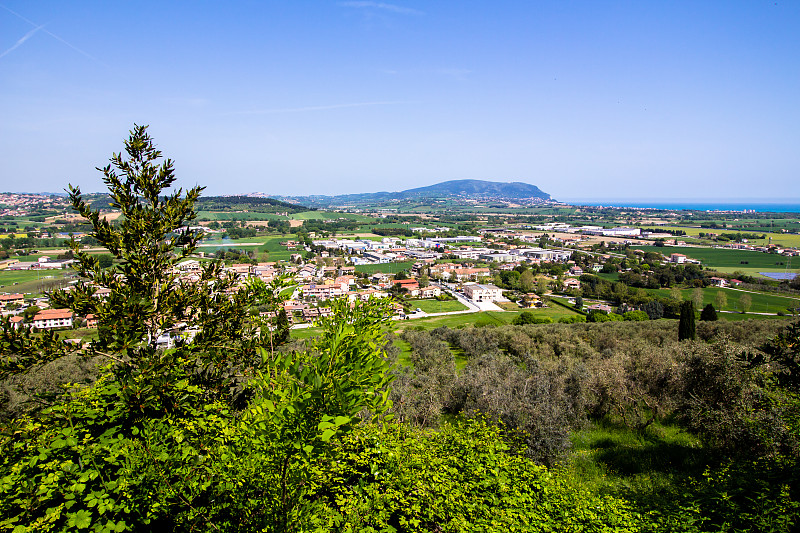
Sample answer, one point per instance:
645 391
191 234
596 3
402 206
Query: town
508 268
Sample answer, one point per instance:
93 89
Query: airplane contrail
48 32
21 40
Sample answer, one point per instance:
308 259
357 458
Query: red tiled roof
47 314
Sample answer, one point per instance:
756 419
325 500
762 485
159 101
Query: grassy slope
761 302
435 306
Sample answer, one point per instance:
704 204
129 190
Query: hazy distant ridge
455 189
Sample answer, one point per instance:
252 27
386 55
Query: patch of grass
305 333
640 465
436 306
738 317
608 276
480 319
386 268
404 357
275 251
287 292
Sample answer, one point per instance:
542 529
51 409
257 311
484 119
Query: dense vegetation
233 429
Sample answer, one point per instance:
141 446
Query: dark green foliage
732 405
636 316
783 356
247 203
527 317
281 335
531 404
686 326
460 478
105 260
420 393
147 302
708 314
654 309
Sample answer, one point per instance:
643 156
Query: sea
793 207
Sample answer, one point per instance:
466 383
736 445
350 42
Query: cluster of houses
14 306
23 204
314 284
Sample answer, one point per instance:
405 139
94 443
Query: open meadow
760 302
727 260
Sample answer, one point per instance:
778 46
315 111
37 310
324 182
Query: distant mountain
479 190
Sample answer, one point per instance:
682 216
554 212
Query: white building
53 318
482 293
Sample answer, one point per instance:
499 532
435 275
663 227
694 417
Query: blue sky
587 100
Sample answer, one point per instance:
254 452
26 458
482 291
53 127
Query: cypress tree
686 326
708 313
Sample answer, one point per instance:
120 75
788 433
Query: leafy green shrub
526 317
636 316
412 480
708 314
533 403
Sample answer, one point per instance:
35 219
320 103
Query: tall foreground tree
218 432
148 301
686 325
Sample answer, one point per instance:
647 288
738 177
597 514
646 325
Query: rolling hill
474 190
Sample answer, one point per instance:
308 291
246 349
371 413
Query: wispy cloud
21 40
38 27
313 108
380 5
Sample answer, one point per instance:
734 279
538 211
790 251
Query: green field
725 260
761 302
783 239
276 252
328 215
270 244
436 306
32 281
386 268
